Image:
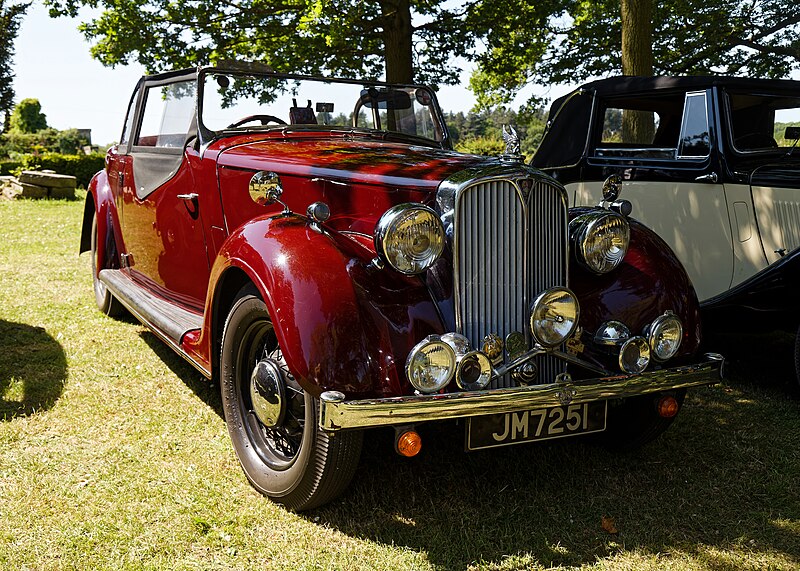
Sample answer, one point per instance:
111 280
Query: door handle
189 196
711 177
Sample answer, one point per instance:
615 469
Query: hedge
9 167
82 167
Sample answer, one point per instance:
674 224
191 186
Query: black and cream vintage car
710 164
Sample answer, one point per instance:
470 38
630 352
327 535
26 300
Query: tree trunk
638 127
397 33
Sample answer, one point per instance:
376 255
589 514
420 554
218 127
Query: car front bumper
337 413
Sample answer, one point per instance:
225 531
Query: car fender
100 200
649 281
766 301
342 323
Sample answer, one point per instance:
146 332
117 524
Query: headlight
665 335
634 356
474 371
431 364
554 316
600 240
409 237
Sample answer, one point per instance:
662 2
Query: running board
169 320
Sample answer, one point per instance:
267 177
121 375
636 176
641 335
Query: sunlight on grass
113 455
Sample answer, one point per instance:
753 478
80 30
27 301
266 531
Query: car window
695 141
759 121
641 126
128 126
167 117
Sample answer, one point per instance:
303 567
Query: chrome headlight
474 371
634 356
431 364
409 237
554 316
664 336
600 240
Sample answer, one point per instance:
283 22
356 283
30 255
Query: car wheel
272 421
106 302
635 421
797 358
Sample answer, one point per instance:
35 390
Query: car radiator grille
507 250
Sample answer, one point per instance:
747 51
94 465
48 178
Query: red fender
648 282
100 200
342 323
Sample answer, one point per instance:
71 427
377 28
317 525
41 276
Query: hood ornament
511 140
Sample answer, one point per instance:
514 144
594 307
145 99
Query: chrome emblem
511 140
566 394
492 346
515 345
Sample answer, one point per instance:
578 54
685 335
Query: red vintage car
317 247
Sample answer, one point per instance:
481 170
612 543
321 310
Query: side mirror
791 133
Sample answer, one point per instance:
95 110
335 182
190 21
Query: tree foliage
572 40
357 38
10 17
27 117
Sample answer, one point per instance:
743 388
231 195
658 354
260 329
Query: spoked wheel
634 422
272 421
105 300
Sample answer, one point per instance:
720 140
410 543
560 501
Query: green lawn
113 455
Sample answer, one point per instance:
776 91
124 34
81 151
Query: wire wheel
273 426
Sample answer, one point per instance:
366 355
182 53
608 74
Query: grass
113 455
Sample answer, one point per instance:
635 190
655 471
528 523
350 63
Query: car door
162 227
671 178
757 121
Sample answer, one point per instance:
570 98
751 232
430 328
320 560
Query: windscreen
235 101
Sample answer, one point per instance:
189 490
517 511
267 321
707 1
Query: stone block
50 180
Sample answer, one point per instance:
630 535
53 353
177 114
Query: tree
27 117
357 38
571 40
10 18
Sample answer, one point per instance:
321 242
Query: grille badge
515 345
492 346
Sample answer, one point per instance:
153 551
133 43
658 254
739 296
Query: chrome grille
508 248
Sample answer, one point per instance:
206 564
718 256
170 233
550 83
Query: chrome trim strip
336 413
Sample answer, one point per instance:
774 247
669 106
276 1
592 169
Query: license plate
538 424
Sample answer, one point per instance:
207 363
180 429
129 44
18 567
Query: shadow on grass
33 370
723 477
207 391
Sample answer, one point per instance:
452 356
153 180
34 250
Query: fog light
634 355
408 443
554 316
431 364
668 407
665 335
474 371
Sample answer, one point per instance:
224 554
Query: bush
82 167
10 167
482 146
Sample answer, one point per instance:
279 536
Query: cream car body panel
691 217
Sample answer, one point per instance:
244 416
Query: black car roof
632 83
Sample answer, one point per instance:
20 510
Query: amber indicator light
667 407
409 444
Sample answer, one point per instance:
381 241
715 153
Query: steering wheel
263 118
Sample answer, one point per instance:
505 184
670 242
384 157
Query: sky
53 64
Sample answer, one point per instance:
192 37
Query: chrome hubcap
267 393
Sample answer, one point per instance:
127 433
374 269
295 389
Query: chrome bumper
336 413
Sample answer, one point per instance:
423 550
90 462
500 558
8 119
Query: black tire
294 463
104 299
634 422
797 359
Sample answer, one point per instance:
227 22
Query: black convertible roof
566 137
623 84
